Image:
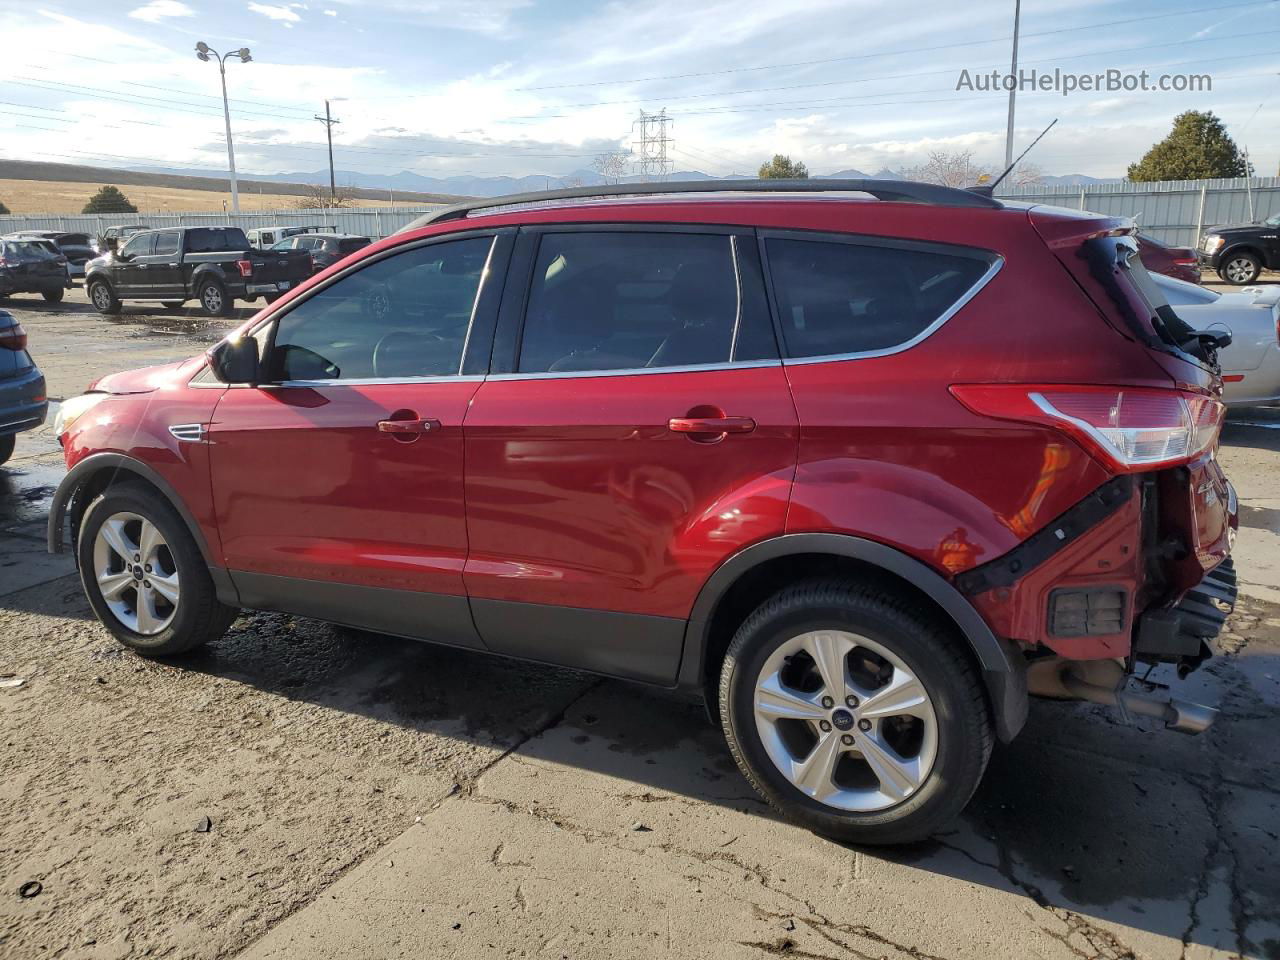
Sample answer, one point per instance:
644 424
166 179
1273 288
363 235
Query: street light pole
1013 86
203 50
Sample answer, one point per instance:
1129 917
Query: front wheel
1240 268
214 300
103 298
53 296
853 714
144 575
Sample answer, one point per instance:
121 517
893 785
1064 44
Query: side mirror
123 255
236 360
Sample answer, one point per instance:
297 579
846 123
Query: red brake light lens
1128 428
245 267
13 337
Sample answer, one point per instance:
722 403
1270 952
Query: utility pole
328 122
1013 86
654 162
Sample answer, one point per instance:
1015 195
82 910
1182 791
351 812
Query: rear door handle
711 424
408 426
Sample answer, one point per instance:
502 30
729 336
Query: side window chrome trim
924 334
372 381
635 371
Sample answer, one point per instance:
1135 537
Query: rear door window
630 301
835 297
167 242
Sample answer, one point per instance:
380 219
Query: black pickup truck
214 265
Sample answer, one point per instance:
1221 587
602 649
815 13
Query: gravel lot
300 791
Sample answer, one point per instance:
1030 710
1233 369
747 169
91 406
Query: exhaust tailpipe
1103 682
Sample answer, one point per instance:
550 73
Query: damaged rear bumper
1182 633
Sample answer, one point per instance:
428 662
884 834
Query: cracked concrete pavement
374 797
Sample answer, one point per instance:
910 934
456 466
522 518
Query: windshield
283 245
1273 221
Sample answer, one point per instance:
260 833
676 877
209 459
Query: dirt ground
301 791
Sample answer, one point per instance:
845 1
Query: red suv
860 461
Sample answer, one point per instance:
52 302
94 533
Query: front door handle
411 427
711 425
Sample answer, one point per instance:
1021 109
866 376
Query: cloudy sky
444 87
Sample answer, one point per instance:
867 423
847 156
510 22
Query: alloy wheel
136 573
845 720
101 296
1240 270
212 298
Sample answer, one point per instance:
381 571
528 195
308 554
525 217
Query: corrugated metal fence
363 221
1175 211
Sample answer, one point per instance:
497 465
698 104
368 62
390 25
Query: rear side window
838 298
630 301
74 239
216 240
351 245
167 242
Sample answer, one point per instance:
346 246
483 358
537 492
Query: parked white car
1251 363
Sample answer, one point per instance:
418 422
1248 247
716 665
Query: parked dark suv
862 462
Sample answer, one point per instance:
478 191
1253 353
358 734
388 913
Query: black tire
103 298
199 616
7 443
53 296
214 300
173 304
1241 268
931 650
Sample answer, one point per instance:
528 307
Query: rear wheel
144 575
103 298
53 296
214 300
1241 268
854 714
7 443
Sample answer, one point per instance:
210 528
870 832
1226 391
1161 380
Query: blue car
23 402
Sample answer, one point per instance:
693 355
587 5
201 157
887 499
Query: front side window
139 245
837 298
167 242
630 301
400 317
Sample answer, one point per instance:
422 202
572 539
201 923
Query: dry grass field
51 196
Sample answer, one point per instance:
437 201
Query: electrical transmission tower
653 145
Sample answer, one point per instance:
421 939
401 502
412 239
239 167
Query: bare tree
318 198
948 169
1026 175
611 166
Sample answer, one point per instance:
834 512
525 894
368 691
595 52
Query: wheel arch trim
1003 672
118 464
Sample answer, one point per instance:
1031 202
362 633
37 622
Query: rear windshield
26 250
352 244
74 240
1115 263
216 240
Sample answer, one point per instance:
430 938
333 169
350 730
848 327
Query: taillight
246 267
13 337
1128 428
